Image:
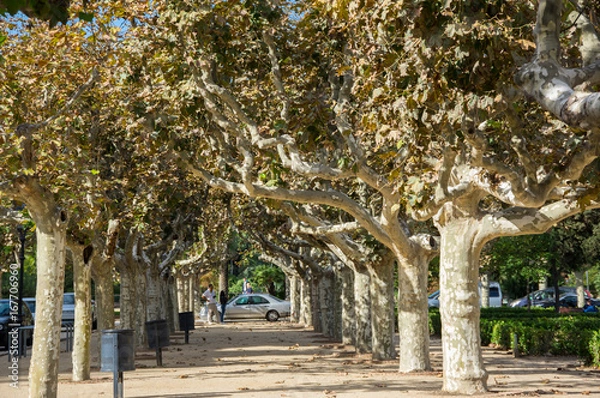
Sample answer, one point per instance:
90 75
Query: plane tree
436 80
271 129
302 102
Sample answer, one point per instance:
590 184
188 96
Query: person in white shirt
210 296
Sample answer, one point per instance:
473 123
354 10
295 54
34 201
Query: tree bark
327 303
485 291
105 298
464 371
306 310
315 303
580 288
381 276
51 253
83 320
362 310
413 321
295 298
348 305
338 305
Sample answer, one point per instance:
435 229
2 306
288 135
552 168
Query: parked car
544 295
256 306
6 318
433 300
68 312
30 301
568 300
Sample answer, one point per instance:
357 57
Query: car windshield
31 304
4 308
69 299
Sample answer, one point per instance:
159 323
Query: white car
433 299
256 306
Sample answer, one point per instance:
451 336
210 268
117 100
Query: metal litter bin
117 355
186 323
158 337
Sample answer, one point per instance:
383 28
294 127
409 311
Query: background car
433 300
30 301
544 295
568 300
6 318
68 312
256 306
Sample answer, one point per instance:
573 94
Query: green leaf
95 172
89 17
2 38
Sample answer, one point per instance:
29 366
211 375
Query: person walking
210 296
223 302
244 286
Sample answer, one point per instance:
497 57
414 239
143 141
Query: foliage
53 11
595 348
573 244
544 333
518 261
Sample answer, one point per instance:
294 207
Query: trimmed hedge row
539 331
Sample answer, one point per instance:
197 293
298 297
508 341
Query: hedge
539 331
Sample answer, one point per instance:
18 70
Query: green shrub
594 348
502 334
435 322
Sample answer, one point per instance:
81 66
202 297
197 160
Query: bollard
515 345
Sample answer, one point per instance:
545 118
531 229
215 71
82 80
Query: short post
515 345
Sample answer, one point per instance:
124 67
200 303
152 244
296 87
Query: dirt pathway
262 360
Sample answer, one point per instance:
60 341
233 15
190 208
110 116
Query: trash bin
158 337
158 333
186 323
117 354
117 350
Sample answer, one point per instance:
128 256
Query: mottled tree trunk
83 321
485 291
348 314
362 310
382 309
295 299
338 307
51 253
223 278
306 316
171 303
133 304
182 292
196 293
464 371
314 303
327 303
413 321
105 299
580 288
155 305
